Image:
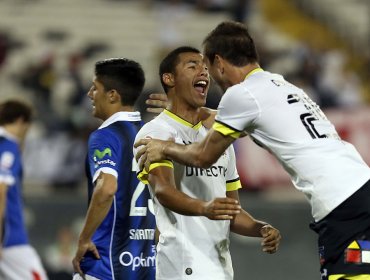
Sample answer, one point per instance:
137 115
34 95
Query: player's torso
11 167
125 239
194 247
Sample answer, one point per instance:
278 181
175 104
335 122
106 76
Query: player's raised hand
156 102
270 239
221 208
83 248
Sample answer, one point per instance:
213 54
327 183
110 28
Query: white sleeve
237 109
232 175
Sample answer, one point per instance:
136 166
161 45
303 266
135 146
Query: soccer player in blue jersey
117 239
18 259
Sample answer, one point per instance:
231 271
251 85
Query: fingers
158 101
271 239
142 142
95 252
154 110
224 208
76 266
139 155
157 96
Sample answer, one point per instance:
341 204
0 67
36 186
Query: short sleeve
232 177
236 112
7 165
155 131
103 154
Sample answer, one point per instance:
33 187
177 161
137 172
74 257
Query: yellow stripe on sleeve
233 185
224 130
349 277
143 175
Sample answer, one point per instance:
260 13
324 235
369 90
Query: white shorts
87 277
21 263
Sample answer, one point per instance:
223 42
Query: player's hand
157 102
83 248
152 151
207 116
221 208
270 239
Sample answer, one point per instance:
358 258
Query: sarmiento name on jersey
142 234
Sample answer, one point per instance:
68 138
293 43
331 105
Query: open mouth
201 86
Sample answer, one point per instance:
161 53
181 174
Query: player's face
192 79
99 98
216 73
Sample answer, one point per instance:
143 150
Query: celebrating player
281 118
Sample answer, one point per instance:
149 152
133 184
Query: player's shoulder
156 125
7 144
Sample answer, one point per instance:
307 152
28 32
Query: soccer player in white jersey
18 259
281 118
195 208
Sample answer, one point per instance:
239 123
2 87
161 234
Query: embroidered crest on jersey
358 252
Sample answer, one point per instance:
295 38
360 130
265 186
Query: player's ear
114 96
168 79
219 62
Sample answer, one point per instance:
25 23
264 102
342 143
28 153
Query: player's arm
201 154
101 202
161 179
245 224
3 192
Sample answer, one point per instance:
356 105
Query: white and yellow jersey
281 118
192 247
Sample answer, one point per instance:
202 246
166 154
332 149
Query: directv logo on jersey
142 234
127 259
213 171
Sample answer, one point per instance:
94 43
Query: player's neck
184 111
238 74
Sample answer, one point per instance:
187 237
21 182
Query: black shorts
344 236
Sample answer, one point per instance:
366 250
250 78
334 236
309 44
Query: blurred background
47 53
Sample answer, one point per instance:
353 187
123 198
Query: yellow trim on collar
143 174
224 130
180 120
259 69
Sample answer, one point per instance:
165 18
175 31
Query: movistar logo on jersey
100 154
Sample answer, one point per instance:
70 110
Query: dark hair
12 110
124 75
232 41
169 63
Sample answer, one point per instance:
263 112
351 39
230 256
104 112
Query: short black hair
124 75
11 110
232 41
169 63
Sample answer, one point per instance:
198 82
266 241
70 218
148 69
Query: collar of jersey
121 116
7 135
253 71
181 120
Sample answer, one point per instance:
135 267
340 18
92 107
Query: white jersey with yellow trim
192 247
281 118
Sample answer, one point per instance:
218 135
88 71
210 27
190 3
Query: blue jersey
125 239
11 174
